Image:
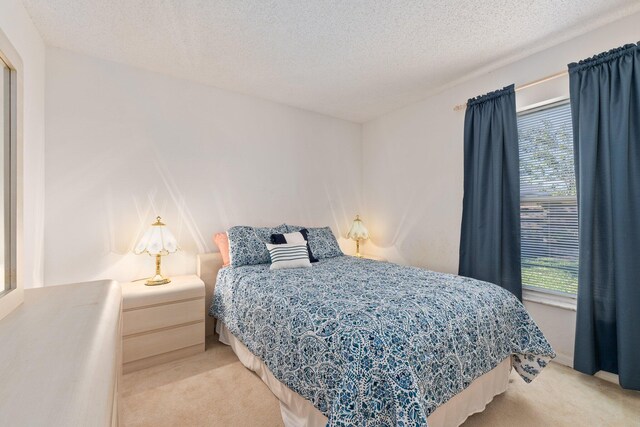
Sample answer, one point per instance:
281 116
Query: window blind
548 204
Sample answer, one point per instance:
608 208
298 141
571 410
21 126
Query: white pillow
289 255
295 237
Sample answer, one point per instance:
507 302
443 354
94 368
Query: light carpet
214 389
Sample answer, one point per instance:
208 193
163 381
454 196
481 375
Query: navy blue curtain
490 235
605 105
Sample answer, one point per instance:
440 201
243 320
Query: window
5 165
11 294
548 203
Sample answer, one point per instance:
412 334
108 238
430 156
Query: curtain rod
524 86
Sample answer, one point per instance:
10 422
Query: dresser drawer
161 316
149 344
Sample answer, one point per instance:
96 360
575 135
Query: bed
362 342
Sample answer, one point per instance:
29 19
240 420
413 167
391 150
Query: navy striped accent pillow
279 239
289 255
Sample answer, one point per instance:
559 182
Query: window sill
560 301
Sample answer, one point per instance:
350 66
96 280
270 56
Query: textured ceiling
345 58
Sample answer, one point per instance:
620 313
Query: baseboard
608 376
564 359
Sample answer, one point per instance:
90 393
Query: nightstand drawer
149 344
144 319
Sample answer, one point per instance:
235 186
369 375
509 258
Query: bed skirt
299 412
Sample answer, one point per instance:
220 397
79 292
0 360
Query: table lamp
358 232
157 241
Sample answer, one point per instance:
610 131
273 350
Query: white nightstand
162 323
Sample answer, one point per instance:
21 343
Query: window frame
12 296
536 294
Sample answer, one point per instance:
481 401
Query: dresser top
137 294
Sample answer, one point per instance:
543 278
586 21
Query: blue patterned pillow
247 245
322 242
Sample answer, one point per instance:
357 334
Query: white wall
413 165
17 25
125 144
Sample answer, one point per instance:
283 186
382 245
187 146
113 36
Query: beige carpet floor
214 389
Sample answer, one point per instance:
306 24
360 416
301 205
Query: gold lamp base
158 279
358 254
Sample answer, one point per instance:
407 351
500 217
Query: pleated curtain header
603 57
507 90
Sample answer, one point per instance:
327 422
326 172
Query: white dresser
60 357
162 323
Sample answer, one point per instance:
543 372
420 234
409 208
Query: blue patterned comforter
374 343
